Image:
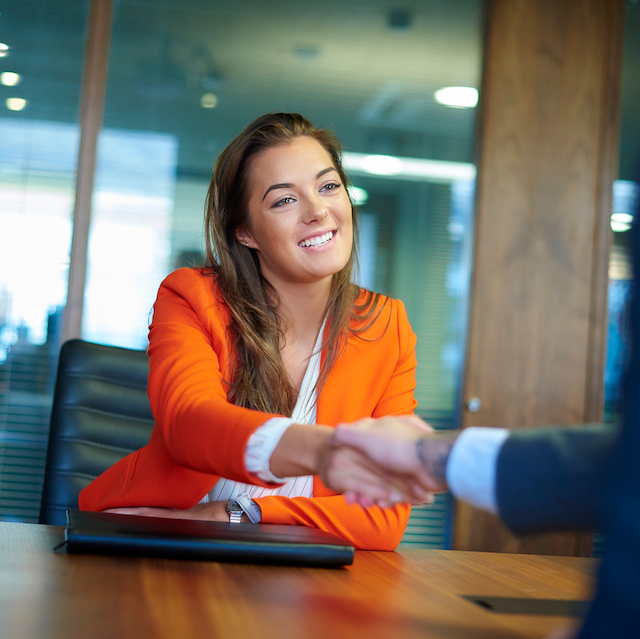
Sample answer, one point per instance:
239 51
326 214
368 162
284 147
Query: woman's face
299 214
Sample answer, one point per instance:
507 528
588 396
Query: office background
183 79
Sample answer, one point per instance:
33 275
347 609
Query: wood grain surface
408 594
548 140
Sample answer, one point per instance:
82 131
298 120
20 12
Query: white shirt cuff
472 464
260 448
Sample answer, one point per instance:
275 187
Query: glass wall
41 54
185 78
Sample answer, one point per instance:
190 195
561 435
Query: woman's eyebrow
288 185
327 170
284 185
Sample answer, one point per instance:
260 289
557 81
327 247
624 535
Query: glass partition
41 54
185 78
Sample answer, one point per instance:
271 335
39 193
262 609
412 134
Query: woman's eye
283 201
331 186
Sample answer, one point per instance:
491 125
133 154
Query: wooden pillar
548 152
94 83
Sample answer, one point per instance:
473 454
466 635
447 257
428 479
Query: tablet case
137 536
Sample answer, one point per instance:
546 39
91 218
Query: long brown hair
258 378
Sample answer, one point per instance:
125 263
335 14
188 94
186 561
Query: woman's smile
319 241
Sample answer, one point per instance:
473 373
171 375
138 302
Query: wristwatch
235 511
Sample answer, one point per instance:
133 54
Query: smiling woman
255 358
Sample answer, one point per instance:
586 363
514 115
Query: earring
247 244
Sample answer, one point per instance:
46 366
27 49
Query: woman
255 358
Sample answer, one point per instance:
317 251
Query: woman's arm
371 528
189 367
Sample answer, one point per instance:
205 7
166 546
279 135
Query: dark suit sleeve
551 479
616 609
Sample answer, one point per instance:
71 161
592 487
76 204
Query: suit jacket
552 478
199 436
589 478
616 609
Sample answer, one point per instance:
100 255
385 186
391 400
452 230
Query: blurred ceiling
365 68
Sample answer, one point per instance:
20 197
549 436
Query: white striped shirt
263 441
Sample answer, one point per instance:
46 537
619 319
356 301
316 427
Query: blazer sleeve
187 359
371 528
551 479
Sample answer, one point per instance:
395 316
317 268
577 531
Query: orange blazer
199 436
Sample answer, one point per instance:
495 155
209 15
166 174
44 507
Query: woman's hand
213 511
364 482
399 458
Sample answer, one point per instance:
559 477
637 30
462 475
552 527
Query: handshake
385 461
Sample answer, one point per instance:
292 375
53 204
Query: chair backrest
100 414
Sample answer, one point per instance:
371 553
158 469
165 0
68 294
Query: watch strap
235 511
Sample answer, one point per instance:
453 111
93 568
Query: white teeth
317 241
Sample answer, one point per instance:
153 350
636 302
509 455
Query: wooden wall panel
548 141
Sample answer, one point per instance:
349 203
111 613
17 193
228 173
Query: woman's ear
244 237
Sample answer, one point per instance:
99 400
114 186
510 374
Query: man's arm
551 479
537 480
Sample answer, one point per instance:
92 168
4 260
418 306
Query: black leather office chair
100 414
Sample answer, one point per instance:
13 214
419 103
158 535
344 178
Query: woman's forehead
302 158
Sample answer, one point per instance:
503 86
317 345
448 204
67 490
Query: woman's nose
315 210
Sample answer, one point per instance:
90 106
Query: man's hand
404 454
348 471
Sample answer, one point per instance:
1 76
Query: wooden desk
406 594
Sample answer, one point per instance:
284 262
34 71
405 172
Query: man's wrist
432 452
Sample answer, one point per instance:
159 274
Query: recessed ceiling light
209 101
457 97
16 104
10 79
4 50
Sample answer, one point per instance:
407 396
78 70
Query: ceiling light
381 164
457 97
4 50
619 227
622 218
209 101
358 196
16 104
409 169
10 79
